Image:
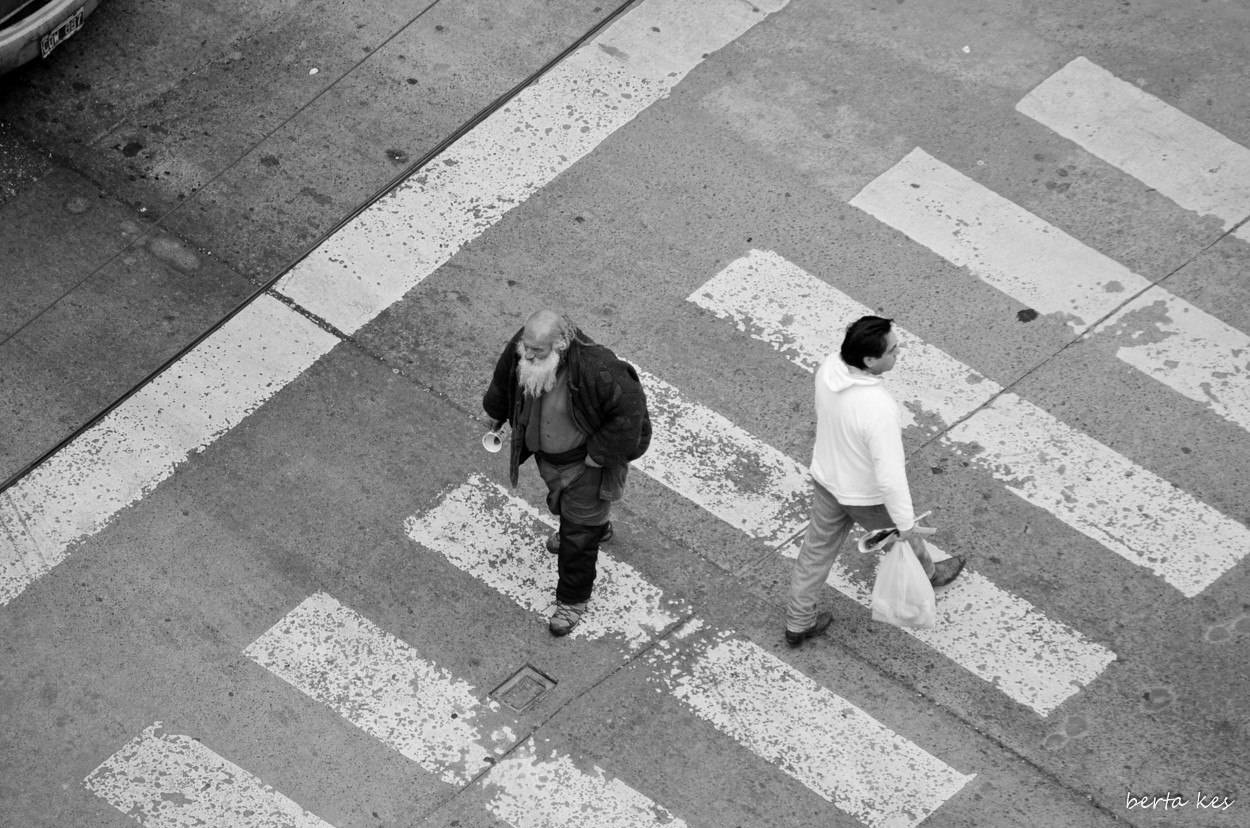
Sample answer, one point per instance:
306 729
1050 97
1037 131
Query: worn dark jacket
606 401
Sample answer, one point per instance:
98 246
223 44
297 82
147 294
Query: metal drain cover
523 688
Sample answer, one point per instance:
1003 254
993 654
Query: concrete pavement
336 478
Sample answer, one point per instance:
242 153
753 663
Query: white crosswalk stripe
695 452
167 780
1169 151
996 636
142 441
531 793
836 749
382 253
705 458
383 686
1100 493
361 270
1163 336
498 539
830 745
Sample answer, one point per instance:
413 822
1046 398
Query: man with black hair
858 471
581 412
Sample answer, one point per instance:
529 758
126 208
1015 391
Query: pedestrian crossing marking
1161 146
360 270
925 781
1186 348
499 539
383 686
833 747
390 247
379 683
117 461
696 453
998 241
366 266
555 793
994 635
704 457
167 780
1161 335
1100 493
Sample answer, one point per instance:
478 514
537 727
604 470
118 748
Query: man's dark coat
606 401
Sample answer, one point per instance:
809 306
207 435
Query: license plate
58 35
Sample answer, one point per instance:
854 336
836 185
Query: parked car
31 29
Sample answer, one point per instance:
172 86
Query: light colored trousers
831 522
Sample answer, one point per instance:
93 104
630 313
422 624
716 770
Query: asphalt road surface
258 261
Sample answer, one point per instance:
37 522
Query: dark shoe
566 617
946 571
553 540
823 620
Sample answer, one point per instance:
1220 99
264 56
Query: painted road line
704 457
499 539
1161 335
1182 158
372 262
127 453
461 526
777 302
990 632
996 636
166 780
383 686
555 793
709 453
1100 493
404 237
825 742
1187 349
999 242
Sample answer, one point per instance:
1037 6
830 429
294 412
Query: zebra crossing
1181 157
171 780
845 754
1147 521
1187 349
483 530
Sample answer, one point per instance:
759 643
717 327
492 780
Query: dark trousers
573 494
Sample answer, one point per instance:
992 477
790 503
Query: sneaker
553 540
566 617
946 571
823 620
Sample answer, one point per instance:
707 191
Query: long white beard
537 376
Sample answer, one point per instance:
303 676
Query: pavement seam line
1008 388
268 286
737 580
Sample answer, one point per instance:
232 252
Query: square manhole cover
523 688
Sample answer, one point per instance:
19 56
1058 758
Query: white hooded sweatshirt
859 441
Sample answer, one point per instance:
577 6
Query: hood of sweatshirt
838 376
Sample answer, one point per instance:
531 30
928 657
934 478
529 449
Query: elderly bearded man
858 471
582 413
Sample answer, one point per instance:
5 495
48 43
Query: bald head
545 331
543 325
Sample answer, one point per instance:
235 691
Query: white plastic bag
902 594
